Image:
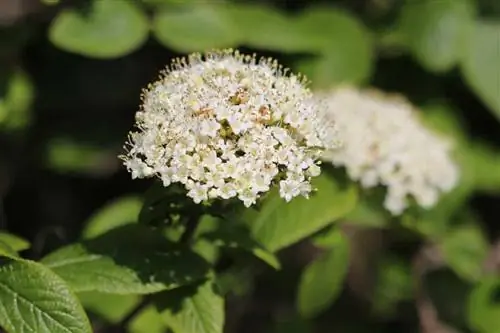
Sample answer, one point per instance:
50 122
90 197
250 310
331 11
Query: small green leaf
484 307
107 29
112 308
7 251
481 64
394 284
15 242
239 237
34 299
279 224
195 28
367 214
121 211
464 249
323 279
437 31
147 321
192 309
67 155
131 259
16 102
327 238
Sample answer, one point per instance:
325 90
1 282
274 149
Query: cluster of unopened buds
227 125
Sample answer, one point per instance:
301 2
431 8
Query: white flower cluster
384 143
226 125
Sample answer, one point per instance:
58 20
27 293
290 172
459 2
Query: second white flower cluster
226 125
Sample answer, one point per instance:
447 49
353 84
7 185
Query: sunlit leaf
436 31
481 64
279 224
105 29
121 211
323 279
34 299
110 307
192 309
131 259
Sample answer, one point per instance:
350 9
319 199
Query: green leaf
7 251
279 224
120 212
112 308
108 29
484 307
128 260
437 31
345 45
328 237
34 299
464 249
481 64
322 280
366 214
192 309
67 155
255 22
195 28
234 236
16 102
15 242
394 284
147 321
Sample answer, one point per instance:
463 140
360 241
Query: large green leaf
192 309
484 307
464 249
233 236
110 307
15 242
279 224
345 45
121 211
437 31
128 260
34 299
322 280
106 29
195 28
481 63
255 22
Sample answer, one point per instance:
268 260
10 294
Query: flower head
385 144
227 125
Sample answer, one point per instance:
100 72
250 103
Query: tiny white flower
385 144
228 125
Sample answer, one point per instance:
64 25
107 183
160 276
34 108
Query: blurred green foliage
70 79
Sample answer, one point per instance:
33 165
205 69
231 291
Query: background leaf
436 31
34 299
483 309
127 260
195 28
120 212
112 308
239 237
15 242
192 309
106 29
279 224
322 280
147 321
481 63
